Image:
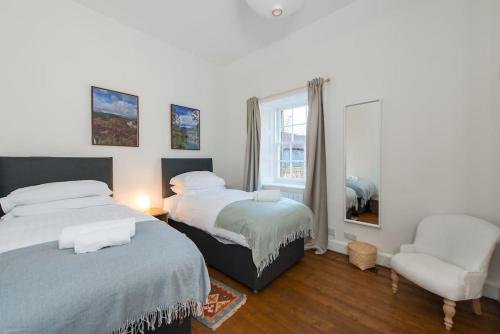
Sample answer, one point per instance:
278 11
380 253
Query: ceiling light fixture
273 9
277 12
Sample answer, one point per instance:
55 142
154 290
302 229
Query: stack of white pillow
56 196
60 196
200 181
192 182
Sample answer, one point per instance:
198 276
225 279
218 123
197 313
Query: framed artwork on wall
115 118
184 128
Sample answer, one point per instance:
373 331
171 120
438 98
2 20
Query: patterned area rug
222 303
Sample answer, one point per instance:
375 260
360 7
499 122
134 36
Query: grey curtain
315 190
252 153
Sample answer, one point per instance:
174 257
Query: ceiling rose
275 8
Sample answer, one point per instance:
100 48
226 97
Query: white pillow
170 205
183 191
55 206
55 191
197 180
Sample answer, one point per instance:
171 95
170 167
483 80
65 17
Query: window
283 144
292 143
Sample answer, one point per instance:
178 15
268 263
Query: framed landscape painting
185 128
115 118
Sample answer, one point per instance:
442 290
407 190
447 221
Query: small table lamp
144 203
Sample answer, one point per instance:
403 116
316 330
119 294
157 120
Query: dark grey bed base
236 261
232 260
18 172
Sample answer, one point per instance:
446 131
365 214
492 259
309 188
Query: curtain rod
287 92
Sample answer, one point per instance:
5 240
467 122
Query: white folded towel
69 234
271 195
93 241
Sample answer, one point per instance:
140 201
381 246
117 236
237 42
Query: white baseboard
339 246
491 290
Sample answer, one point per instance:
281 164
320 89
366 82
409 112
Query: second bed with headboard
231 259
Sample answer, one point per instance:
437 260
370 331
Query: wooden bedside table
158 213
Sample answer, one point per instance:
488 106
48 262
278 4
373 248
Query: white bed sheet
200 209
32 230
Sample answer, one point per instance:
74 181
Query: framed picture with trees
185 128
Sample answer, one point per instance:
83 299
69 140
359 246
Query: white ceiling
219 31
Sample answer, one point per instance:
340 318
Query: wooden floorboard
325 294
367 217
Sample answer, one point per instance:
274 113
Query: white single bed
200 209
197 201
32 230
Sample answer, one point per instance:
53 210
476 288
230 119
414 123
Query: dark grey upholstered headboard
18 172
173 167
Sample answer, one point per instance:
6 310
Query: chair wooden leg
449 313
476 306
395 280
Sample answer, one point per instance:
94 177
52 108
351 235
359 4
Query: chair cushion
432 274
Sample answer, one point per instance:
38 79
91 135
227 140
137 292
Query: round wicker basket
361 254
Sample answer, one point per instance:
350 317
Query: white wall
436 65
52 51
362 142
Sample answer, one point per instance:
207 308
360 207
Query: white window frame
277 147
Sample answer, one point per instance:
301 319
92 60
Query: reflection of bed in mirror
351 203
362 162
361 194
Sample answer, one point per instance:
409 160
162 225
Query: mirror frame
344 217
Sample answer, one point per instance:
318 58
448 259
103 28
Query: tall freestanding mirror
362 133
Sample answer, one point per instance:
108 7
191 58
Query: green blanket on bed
266 226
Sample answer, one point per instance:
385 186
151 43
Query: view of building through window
292 142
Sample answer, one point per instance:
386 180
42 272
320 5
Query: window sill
284 186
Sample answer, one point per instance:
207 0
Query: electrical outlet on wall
331 232
350 236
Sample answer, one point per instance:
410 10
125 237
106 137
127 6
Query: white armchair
449 257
